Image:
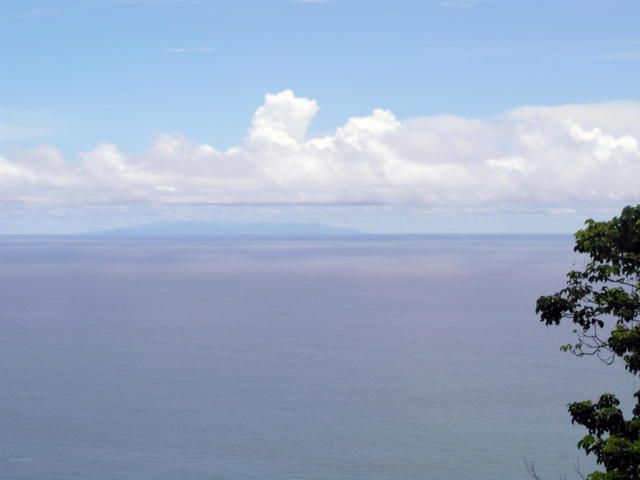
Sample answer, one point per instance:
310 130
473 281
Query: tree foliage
603 302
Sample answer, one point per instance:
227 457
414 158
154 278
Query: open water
329 359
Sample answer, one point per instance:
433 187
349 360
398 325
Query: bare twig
531 469
576 467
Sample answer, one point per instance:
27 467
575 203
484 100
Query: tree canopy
603 302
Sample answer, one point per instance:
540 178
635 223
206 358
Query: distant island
228 229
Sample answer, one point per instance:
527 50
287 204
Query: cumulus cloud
559 157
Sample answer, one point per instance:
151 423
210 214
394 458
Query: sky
387 116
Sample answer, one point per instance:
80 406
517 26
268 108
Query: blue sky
126 73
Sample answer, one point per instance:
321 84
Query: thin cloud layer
562 156
190 50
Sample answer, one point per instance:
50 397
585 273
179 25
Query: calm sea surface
390 358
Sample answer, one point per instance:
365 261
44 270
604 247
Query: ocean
364 358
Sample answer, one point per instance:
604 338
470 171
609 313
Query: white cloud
282 119
191 50
20 125
532 157
34 13
9 132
